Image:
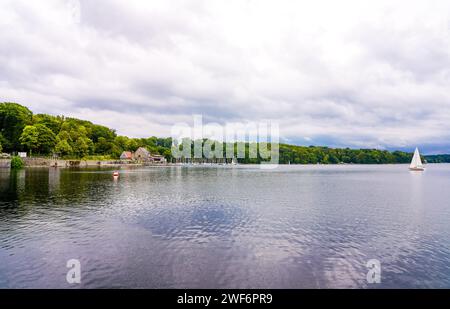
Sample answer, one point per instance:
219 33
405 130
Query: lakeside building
142 155
158 159
126 155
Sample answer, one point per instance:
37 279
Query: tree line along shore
70 138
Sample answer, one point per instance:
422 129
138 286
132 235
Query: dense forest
44 135
41 134
444 158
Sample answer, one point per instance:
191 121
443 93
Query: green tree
13 119
82 147
63 148
103 146
51 122
64 144
64 136
38 138
29 138
102 132
16 162
2 139
80 131
116 151
133 144
121 142
46 139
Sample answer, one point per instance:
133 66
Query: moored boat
416 162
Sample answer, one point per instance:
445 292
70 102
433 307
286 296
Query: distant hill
443 158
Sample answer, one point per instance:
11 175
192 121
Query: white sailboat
416 163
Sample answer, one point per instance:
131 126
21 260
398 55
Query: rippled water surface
223 227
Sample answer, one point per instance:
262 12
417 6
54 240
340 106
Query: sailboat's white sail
416 162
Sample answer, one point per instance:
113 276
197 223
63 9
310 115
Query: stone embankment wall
43 162
5 163
34 162
37 162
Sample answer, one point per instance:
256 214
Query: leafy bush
16 162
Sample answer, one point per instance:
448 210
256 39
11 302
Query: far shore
46 162
68 163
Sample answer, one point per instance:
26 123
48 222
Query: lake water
226 227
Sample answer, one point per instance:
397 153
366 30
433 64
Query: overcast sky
337 73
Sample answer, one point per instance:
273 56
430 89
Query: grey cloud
354 75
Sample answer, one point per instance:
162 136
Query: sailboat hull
416 169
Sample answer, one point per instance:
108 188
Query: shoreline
58 163
43 162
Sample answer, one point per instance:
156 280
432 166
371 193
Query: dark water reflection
241 227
